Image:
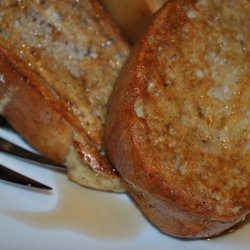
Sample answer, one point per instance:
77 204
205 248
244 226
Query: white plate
72 217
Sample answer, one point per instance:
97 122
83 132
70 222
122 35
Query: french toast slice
178 125
58 65
132 16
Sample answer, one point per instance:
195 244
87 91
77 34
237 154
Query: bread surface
58 65
132 16
178 124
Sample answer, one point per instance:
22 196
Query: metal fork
16 178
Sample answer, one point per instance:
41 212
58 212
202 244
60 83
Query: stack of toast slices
168 121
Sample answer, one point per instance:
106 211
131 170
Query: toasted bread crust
179 121
56 86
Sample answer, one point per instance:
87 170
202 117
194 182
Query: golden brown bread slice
132 16
178 126
58 65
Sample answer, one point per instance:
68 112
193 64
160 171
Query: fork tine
10 148
16 178
13 177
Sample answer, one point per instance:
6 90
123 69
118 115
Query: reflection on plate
72 217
